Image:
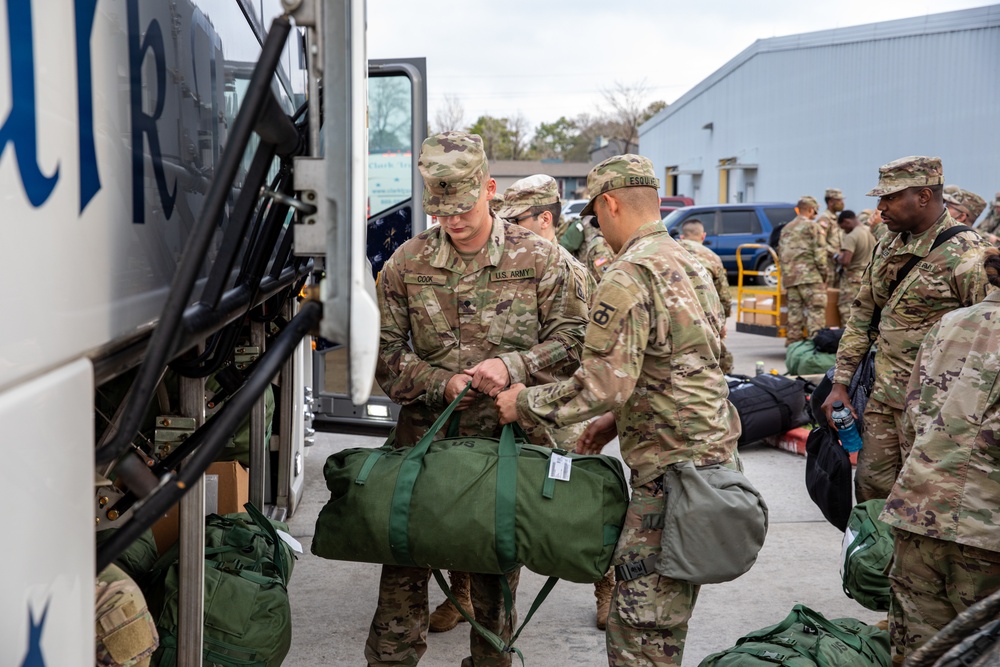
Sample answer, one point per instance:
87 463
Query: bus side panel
47 562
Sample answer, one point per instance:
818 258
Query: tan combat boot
603 590
446 617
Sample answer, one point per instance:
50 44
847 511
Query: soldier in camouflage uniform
910 192
963 205
496 203
597 255
653 338
830 232
692 239
990 225
944 507
856 247
473 299
803 260
532 202
125 632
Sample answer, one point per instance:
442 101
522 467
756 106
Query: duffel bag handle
818 622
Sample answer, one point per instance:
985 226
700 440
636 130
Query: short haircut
845 214
692 227
555 209
992 265
806 203
637 197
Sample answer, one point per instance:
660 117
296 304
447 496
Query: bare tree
628 110
519 136
388 114
450 116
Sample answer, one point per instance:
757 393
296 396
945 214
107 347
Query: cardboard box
227 489
766 319
832 312
749 303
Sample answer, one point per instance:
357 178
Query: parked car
571 209
669 204
730 225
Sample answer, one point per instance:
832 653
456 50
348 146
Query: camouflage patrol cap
970 202
497 202
908 172
618 171
537 190
453 165
833 193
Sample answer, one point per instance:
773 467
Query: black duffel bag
767 405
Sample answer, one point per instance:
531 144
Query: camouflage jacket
950 482
651 355
712 264
951 277
801 253
125 632
831 232
597 254
516 300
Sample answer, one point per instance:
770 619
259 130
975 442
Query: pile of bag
768 405
812 357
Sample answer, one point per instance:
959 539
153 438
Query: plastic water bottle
846 429
760 368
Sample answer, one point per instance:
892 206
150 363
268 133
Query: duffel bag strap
491 637
265 525
506 501
818 622
636 568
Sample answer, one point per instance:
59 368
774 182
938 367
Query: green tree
497 137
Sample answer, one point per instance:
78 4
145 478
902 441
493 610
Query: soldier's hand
507 403
455 386
599 432
838 393
489 377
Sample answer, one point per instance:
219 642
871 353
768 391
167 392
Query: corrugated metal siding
828 115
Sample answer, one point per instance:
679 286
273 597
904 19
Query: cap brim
589 208
881 192
511 212
445 205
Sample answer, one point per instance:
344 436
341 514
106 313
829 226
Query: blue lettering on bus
34 657
20 128
90 179
143 124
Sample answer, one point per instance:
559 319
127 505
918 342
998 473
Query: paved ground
332 602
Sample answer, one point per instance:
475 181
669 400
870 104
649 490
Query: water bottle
760 368
846 429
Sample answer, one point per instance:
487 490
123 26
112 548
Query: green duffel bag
801 358
807 639
866 556
474 505
248 620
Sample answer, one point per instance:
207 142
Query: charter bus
185 217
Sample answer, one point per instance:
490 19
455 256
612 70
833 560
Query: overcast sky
552 58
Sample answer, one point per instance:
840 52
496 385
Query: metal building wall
825 109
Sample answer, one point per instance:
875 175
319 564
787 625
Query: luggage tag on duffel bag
560 467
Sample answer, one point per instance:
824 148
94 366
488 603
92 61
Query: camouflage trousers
398 633
806 311
649 615
125 633
849 289
931 582
882 451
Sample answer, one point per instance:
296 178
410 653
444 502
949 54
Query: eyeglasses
518 221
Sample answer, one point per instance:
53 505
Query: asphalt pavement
332 601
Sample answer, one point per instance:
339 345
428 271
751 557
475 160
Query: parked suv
670 204
571 208
730 225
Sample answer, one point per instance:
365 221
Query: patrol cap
970 202
497 202
537 190
453 165
618 171
833 193
908 172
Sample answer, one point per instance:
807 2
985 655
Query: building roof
520 168
965 19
